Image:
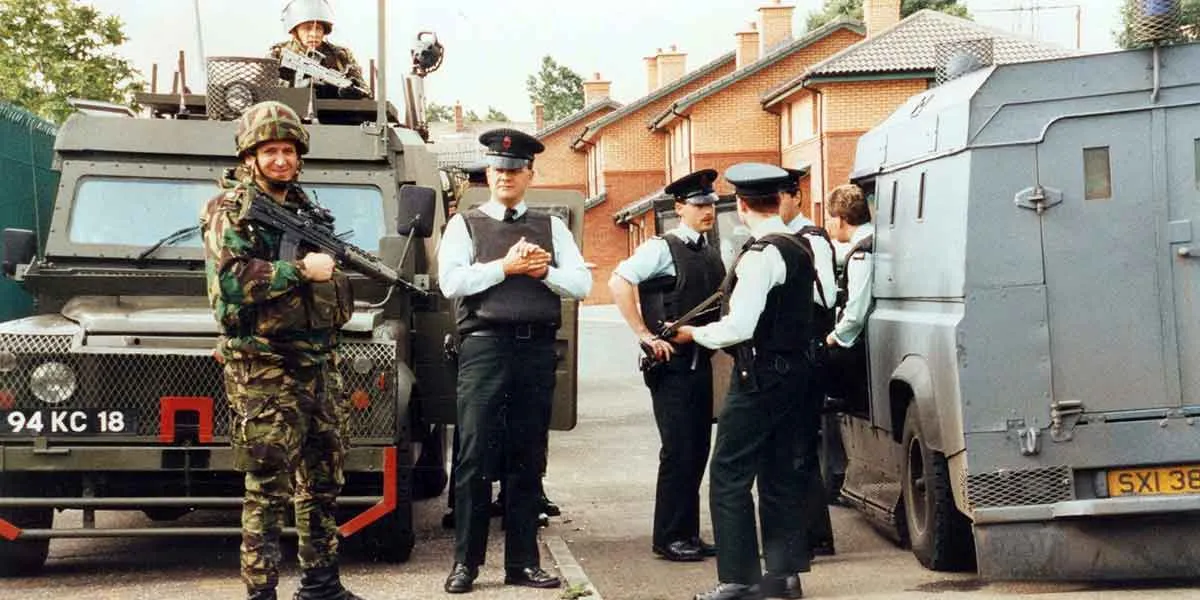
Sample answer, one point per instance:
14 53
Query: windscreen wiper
174 237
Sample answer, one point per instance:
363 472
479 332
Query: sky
492 46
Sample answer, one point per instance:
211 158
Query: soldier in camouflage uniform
309 22
280 318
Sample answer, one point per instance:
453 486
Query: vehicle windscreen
138 212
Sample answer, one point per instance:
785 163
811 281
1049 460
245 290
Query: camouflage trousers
289 435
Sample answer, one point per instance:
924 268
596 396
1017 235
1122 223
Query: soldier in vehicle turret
309 23
670 275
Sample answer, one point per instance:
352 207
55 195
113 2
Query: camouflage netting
1155 20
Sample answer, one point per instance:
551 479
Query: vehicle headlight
52 382
239 97
362 365
8 361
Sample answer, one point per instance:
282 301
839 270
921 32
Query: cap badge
506 143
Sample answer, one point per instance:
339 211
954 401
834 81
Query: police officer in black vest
673 274
509 266
766 421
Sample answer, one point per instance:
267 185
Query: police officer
791 210
509 266
849 222
280 358
765 422
673 274
309 22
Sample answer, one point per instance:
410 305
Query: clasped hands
526 258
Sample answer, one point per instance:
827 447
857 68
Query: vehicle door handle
1187 252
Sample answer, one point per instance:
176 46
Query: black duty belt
524 331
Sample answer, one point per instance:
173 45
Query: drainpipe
820 219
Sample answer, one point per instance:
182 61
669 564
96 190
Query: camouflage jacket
337 58
263 304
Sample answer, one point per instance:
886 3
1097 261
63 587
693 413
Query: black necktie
510 215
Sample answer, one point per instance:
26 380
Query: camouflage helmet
270 121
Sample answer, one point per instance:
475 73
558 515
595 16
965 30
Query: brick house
560 166
825 109
622 161
722 123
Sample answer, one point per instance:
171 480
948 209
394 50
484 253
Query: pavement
602 475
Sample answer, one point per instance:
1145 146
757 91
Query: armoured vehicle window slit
895 192
1096 174
1196 157
921 200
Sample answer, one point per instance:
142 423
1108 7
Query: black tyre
23 558
429 477
939 534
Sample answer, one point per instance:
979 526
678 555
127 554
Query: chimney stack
539 116
596 90
652 72
458 117
671 66
776 25
747 46
880 14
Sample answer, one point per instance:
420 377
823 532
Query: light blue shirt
653 258
459 275
758 272
859 273
822 262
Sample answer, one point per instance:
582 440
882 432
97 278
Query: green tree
557 87
471 116
854 9
495 115
1189 30
52 50
438 113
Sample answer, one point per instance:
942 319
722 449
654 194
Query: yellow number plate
1161 480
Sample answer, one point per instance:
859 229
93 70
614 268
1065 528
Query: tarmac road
602 474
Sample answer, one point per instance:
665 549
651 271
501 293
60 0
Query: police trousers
289 434
505 395
682 401
763 427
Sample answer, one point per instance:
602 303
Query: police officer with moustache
766 421
280 318
673 274
510 266
791 210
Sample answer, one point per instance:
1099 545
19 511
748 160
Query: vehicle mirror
417 204
20 246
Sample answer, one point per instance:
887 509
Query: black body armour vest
785 325
857 252
516 300
823 317
698 274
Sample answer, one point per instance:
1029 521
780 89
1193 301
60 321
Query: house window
921 200
1097 176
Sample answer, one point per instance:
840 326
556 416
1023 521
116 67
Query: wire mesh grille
134 382
1155 20
958 57
235 83
1020 487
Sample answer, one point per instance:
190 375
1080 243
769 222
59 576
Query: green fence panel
27 188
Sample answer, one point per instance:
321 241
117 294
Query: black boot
323 583
261 594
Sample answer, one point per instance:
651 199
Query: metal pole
200 42
381 96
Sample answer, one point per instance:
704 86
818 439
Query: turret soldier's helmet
296 12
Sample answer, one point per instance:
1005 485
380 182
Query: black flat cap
795 175
510 148
756 179
694 188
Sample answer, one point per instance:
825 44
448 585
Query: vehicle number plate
66 421
1183 479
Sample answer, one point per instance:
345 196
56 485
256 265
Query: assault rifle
305 66
313 229
649 360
